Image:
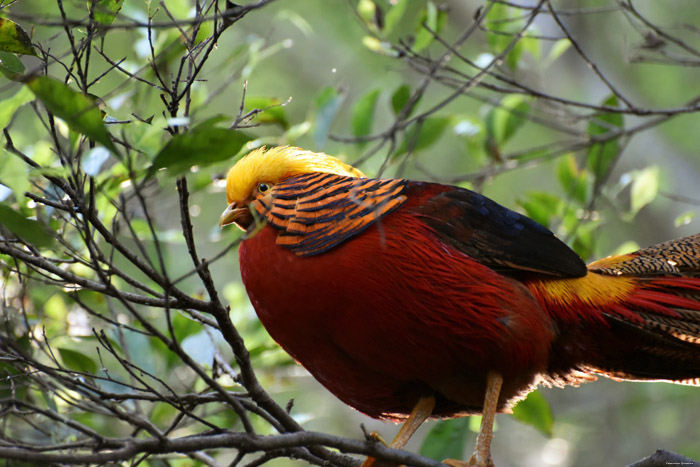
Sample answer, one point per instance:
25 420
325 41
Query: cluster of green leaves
573 215
420 135
69 135
382 20
504 25
484 136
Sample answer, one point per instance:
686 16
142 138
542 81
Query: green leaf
379 46
272 110
80 112
541 206
446 439
574 181
394 15
28 230
429 18
559 47
430 131
8 371
366 9
504 121
531 43
496 21
11 66
9 106
420 136
584 239
432 17
400 98
501 28
50 401
567 172
297 131
363 113
475 424
77 361
601 156
535 411
372 43
105 11
685 218
14 39
327 103
626 248
645 187
513 56
204 144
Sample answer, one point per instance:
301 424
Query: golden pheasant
400 295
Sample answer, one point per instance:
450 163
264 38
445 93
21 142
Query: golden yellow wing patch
315 212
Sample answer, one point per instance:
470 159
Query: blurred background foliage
583 116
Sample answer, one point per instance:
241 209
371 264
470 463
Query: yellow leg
482 454
422 410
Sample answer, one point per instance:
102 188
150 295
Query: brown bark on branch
662 458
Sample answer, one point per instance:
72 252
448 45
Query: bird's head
255 175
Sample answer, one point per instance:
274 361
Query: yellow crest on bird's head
273 165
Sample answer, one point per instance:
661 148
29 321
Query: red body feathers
394 314
389 290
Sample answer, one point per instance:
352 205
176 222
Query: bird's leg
422 410
482 453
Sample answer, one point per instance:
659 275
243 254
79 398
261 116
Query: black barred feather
315 212
679 257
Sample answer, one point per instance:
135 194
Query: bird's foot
373 462
375 436
455 463
480 461
420 413
474 461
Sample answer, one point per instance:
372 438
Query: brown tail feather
680 257
657 334
648 353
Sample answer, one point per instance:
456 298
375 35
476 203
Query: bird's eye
264 187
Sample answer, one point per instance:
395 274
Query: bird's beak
234 214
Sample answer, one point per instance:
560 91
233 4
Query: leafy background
343 77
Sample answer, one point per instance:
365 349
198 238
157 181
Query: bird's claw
376 437
472 462
455 463
478 461
371 461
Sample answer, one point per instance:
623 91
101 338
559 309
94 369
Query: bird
411 300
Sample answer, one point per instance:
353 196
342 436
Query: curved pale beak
233 214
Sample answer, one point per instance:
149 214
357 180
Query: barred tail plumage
646 326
